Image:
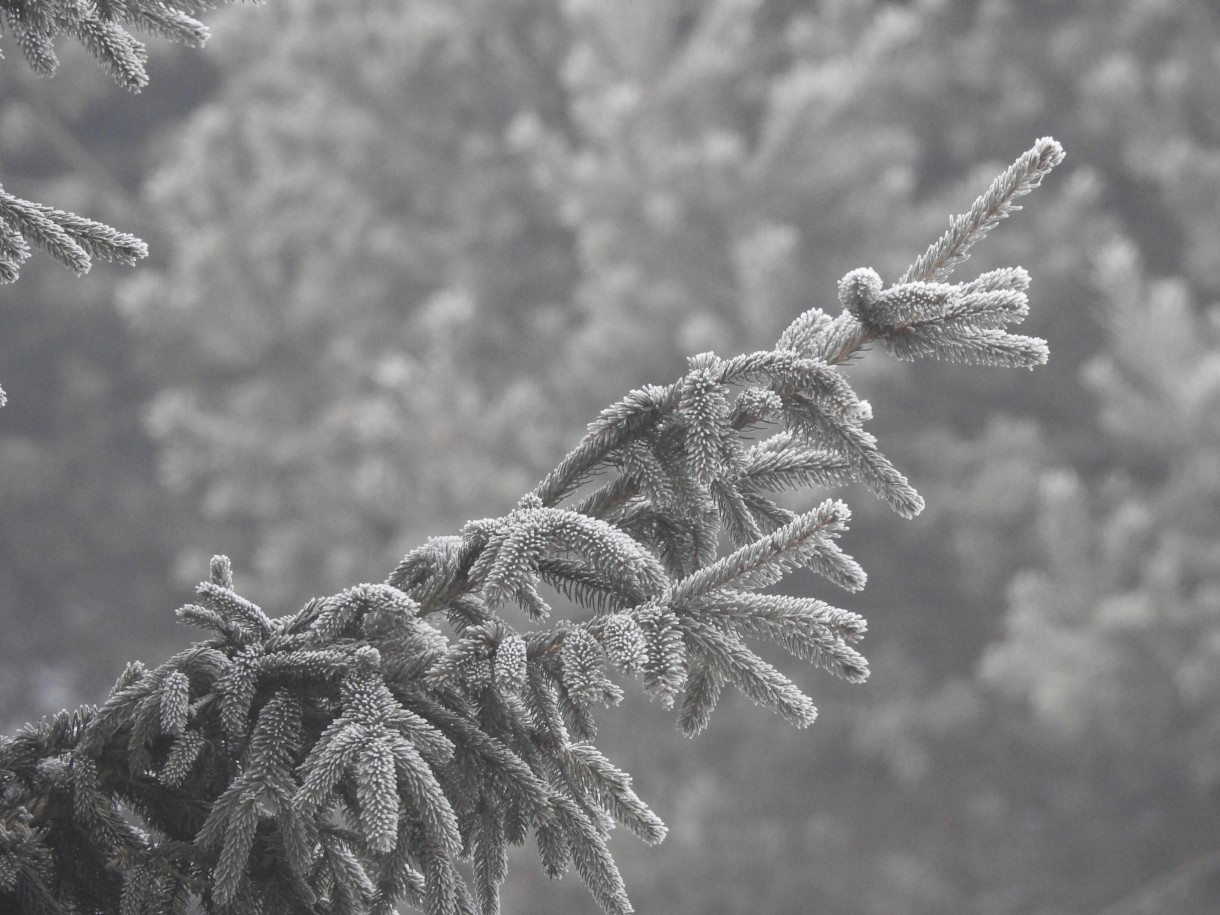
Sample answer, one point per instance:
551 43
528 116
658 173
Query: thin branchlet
952 248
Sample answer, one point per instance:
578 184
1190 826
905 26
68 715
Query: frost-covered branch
102 28
358 753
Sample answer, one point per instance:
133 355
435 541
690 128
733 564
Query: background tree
1112 639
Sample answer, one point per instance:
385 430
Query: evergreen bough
388 743
102 28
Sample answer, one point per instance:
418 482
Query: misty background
403 250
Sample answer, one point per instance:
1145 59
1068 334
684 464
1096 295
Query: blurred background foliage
404 249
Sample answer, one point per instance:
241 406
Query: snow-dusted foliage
387 744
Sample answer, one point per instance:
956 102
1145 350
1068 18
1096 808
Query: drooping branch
352 755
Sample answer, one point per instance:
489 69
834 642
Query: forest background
403 251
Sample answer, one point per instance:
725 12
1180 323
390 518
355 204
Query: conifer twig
1025 174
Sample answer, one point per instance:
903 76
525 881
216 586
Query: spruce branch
70 239
351 756
103 30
